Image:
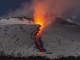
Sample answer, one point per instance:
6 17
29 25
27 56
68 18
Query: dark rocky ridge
56 35
20 18
24 17
62 21
57 20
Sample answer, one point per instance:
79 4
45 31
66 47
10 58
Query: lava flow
39 18
39 43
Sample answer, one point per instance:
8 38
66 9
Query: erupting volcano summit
18 36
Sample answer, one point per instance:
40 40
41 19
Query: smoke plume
24 9
58 6
65 8
46 10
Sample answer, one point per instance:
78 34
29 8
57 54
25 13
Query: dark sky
6 5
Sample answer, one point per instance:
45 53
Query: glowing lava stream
39 18
38 36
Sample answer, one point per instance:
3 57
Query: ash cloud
60 6
66 8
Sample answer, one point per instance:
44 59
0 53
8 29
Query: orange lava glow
40 22
41 52
39 19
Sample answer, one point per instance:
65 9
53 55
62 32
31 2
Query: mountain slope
16 20
60 38
17 39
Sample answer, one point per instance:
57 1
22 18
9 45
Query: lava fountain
39 45
41 18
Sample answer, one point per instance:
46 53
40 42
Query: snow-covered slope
17 38
72 20
17 35
60 38
16 20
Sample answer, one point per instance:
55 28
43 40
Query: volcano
17 38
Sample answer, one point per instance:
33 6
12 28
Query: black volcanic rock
23 17
40 47
62 21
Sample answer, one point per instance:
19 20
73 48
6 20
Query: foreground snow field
17 39
58 39
62 40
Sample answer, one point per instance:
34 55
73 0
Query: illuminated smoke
46 10
71 7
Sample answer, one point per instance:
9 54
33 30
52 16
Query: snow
18 39
14 21
62 40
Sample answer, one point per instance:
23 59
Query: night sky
6 5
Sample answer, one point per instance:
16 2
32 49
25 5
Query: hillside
61 38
